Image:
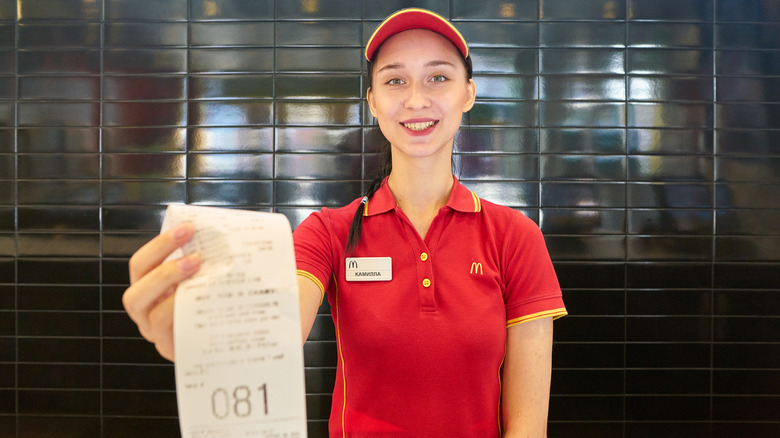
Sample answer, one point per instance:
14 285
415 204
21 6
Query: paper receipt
237 333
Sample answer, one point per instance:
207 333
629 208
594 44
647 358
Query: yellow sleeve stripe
315 280
554 313
477 203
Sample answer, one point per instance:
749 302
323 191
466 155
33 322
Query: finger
158 249
145 294
161 322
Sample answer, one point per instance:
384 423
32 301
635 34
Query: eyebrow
397 65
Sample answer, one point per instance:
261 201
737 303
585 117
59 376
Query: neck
420 186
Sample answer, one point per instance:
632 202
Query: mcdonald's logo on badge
369 268
476 268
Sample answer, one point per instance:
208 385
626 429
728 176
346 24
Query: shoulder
330 219
505 218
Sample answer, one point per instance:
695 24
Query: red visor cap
415 18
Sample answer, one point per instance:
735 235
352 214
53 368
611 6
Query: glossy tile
7 10
747 62
656 382
130 192
379 11
317 139
58 218
498 167
144 88
495 10
668 275
587 382
137 166
593 409
746 276
143 139
582 248
582 114
310 113
517 114
515 194
58 166
317 86
664 141
317 166
583 167
58 192
743 409
58 298
56 62
335 9
583 34
670 35
736 10
582 61
225 113
320 33
146 61
170 10
657 88
70 402
670 221
47 35
668 248
746 89
151 377
581 87
326 193
58 140
746 222
736 356
58 114
145 35
747 248
748 36
585 194
231 9
747 195
129 427
670 168
230 139
748 169
505 61
59 9
669 62
231 86
304 59
570 221
143 114
693 10
230 166
500 34
471 139
232 34
139 403
748 115
669 195
672 115
244 194
59 350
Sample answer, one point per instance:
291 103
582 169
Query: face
419 93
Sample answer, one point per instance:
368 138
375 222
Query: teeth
419 126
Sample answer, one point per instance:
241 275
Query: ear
471 95
370 100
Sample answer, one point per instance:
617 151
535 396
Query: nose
417 97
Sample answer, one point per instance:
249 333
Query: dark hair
385 165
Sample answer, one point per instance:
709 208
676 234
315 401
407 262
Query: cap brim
415 18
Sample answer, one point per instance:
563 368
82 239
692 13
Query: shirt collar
461 199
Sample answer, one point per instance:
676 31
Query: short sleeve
532 290
313 254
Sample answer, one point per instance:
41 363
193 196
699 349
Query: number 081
239 402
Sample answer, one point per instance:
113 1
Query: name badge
369 268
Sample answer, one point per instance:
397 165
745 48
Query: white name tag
369 268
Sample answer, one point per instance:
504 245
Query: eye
438 78
395 81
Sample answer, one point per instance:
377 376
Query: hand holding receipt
239 360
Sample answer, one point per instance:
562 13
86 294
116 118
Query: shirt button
426 283
424 256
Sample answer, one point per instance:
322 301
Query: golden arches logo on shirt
476 268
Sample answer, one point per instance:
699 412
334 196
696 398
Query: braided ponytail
385 166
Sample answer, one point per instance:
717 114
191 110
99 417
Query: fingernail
189 262
181 231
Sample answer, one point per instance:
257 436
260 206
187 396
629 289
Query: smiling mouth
419 126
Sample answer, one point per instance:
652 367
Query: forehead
417 43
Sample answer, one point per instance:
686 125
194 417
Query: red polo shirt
420 355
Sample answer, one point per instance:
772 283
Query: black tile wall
641 136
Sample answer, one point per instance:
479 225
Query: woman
443 303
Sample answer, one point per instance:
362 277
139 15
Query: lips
419 126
